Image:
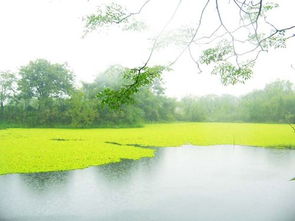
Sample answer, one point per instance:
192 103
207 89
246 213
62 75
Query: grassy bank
35 150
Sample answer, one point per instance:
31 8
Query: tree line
43 94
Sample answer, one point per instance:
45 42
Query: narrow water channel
228 183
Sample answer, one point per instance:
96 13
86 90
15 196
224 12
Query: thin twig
133 13
194 34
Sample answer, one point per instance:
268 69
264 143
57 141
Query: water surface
190 183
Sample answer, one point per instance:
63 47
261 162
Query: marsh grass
41 150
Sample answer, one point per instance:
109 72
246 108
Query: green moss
36 150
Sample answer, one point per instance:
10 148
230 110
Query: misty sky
53 29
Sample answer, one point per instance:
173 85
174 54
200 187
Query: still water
224 183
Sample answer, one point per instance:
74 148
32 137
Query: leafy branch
140 77
233 54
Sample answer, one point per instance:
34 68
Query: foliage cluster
44 95
275 103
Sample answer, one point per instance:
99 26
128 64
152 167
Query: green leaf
139 77
231 74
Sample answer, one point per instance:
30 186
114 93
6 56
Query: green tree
7 89
275 103
41 85
41 79
81 112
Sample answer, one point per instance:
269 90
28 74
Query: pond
228 183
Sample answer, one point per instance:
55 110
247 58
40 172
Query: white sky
52 29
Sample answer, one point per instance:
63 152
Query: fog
53 30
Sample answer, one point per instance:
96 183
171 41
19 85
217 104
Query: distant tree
81 112
190 109
41 79
275 103
279 87
7 88
40 86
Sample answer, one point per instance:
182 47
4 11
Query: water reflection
118 173
43 182
123 172
189 183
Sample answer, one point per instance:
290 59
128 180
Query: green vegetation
275 103
35 150
44 95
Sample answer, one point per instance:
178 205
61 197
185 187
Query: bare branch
133 13
194 34
194 60
233 63
161 32
140 69
227 30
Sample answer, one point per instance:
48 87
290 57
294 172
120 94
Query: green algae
42 150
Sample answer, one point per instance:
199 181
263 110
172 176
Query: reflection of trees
41 182
281 157
124 171
121 171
